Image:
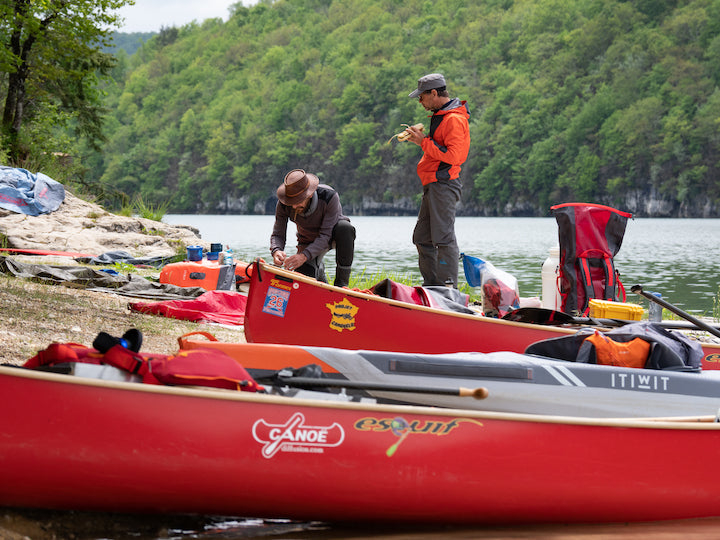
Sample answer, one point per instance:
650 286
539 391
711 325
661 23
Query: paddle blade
539 316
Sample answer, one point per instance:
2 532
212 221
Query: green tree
51 53
610 101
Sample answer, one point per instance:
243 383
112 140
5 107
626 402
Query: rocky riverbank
36 314
83 227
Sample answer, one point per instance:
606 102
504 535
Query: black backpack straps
593 288
586 280
610 278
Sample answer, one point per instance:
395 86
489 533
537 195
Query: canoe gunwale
693 423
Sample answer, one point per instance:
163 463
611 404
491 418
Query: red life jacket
197 367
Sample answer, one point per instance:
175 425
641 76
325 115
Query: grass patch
150 211
364 280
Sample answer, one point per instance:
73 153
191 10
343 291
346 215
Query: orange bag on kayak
630 354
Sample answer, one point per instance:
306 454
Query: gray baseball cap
428 82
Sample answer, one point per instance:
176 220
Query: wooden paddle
637 289
303 382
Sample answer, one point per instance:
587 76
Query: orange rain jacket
446 147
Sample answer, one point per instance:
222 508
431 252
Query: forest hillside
605 101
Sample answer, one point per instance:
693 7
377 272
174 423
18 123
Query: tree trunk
13 114
15 101
10 101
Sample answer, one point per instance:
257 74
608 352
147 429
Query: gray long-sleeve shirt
314 227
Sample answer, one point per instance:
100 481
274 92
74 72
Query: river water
671 256
675 257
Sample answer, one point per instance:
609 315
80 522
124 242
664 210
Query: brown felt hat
297 186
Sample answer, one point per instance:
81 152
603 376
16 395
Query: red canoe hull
73 443
289 308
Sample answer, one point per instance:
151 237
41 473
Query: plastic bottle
230 260
655 310
551 298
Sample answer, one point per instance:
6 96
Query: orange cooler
208 275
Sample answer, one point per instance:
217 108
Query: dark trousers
434 234
343 240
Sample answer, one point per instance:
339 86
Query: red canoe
289 308
87 444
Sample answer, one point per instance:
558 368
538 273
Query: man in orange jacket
445 149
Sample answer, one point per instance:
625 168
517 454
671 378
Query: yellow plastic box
607 309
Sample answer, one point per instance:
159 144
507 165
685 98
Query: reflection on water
675 257
30 524
38 525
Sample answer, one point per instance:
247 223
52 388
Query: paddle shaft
477 393
547 316
670 325
637 289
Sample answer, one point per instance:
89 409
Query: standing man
445 149
315 209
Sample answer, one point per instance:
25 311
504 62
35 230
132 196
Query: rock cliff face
641 203
84 227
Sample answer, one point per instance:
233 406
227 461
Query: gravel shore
34 315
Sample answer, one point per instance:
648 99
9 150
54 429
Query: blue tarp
27 193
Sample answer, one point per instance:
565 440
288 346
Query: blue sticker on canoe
276 301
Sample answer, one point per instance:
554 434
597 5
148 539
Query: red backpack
590 235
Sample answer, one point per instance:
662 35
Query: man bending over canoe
321 226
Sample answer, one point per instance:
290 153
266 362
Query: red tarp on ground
225 307
45 252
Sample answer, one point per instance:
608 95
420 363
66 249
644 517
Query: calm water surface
35 525
675 257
